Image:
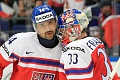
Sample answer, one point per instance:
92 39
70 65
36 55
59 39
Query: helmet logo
68 18
42 10
44 17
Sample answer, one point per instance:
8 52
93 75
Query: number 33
73 58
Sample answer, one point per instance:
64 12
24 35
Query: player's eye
51 21
42 25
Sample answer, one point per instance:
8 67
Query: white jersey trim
38 66
80 76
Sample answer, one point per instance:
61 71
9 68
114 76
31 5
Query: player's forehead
47 21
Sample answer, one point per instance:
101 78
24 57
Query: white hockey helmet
71 23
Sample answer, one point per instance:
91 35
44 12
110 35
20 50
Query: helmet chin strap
34 27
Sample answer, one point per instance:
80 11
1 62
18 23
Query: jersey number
108 71
73 58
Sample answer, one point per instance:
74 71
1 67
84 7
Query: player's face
47 29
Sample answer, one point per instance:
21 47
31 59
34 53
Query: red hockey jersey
111 27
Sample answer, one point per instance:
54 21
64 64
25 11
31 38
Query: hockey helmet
71 23
42 13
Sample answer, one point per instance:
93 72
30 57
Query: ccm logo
44 17
6 49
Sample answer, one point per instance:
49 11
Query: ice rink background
8 69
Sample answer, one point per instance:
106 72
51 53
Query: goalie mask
71 23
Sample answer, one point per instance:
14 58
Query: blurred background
104 17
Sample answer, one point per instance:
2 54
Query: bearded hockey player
35 55
83 57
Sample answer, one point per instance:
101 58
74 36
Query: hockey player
35 55
83 57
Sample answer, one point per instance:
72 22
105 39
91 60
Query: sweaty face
47 29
